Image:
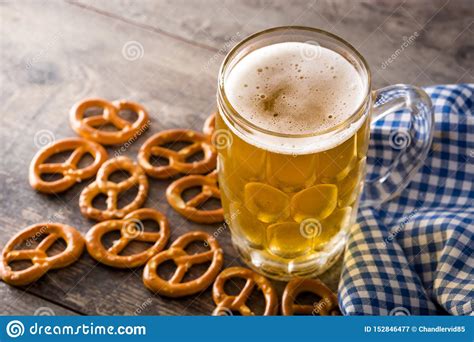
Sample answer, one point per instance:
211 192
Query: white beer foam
295 88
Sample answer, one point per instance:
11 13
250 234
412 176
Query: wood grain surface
165 55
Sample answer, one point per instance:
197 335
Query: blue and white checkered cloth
413 254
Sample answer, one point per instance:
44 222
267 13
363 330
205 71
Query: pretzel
89 127
209 125
228 303
103 186
177 159
69 169
189 209
326 306
42 263
128 232
174 287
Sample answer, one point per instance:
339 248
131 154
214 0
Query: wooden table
55 53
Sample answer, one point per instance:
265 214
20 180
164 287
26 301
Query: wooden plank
438 54
54 54
14 301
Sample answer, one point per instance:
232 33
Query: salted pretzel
41 262
177 159
69 169
174 287
189 209
89 127
131 229
227 303
102 185
326 306
209 125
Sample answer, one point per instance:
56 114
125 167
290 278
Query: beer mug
290 197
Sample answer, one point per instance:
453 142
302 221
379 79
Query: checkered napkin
413 254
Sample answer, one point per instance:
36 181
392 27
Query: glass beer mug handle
409 142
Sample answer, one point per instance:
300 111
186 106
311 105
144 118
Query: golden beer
288 208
